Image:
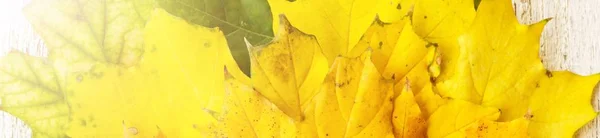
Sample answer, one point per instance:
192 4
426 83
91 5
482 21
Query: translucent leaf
34 91
81 31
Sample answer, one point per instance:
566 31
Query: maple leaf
391 43
338 25
408 120
428 100
485 128
569 97
127 101
33 90
494 50
238 19
391 11
96 31
289 70
177 84
464 119
77 35
249 114
435 20
354 101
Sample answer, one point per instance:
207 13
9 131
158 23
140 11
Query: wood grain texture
570 41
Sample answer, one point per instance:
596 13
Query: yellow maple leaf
489 58
249 114
428 100
289 70
396 49
354 101
409 121
435 20
159 96
337 25
560 104
391 11
124 113
491 129
173 91
457 114
495 50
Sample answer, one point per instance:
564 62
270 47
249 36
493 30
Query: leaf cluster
334 68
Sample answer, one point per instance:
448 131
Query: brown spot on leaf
528 115
341 84
431 44
83 123
549 73
482 127
206 44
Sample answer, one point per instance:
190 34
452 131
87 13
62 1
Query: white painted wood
571 41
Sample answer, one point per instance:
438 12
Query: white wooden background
571 41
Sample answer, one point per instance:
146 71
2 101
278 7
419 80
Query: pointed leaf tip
248 44
284 25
